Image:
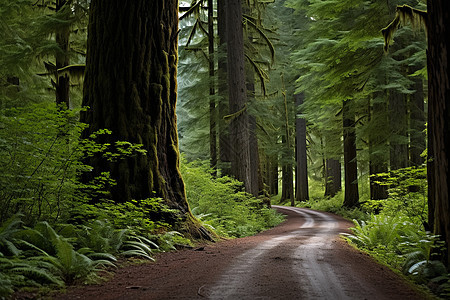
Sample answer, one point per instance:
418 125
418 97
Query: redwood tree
239 131
351 196
131 89
439 117
301 175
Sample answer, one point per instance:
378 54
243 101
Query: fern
8 230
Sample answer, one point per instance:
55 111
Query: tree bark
253 139
223 107
287 187
130 88
301 182
272 171
212 90
399 125
333 177
62 83
351 196
239 131
417 124
378 147
439 118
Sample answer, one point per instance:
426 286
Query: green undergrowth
54 256
393 230
222 205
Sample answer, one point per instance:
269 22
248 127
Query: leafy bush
222 204
408 194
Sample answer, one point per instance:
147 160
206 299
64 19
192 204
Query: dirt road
303 258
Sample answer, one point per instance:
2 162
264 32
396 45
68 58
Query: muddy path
303 258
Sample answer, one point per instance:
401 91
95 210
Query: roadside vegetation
65 232
394 230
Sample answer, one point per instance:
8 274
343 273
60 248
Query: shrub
222 204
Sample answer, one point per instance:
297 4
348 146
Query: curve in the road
316 279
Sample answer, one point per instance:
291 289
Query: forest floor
302 258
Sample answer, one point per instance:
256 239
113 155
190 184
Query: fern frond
38 275
137 253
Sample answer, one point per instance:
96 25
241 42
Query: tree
239 131
212 89
301 181
438 26
351 197
130 88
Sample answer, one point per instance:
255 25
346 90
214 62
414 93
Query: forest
131 128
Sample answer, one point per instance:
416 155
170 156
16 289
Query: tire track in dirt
302 258
234 283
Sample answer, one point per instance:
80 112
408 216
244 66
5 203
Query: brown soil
303 258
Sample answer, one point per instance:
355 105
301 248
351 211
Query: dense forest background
294 102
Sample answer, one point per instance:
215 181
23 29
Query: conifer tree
134 96
439 118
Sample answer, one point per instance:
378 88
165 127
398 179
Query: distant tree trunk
417 124
301 174
287 187
62 83
333 177
239 131
439 118
351 197
131 89
399 125
224 137
378 148
212 91
287 178
253 139
254 158
272 171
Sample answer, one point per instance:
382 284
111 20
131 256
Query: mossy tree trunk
439 118
131 89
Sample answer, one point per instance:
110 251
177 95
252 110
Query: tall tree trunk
253 139
254 158
333 177
131 89
417 124
62 83
287 184
223 107
351 197
439 118
212 90
301 182
378 148
239 131
272 171
399 125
